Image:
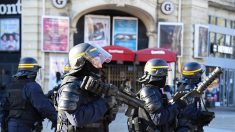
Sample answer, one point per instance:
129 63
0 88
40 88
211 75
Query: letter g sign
167 7
59 3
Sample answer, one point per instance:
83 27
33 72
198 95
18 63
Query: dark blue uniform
161 119
83 110
3 112
187 119
27 106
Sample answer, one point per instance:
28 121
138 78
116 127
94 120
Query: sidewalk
223 108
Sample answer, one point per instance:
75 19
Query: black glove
97 86
184 101
110 101
205 117
91 84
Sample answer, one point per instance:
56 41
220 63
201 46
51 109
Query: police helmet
28 67
192 71
155 72
86 53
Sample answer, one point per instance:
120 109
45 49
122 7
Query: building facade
10 39
193 22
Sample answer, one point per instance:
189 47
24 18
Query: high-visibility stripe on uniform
191 72
67 68
76 56
27 65
153 68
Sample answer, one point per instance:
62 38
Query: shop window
233 24
221 22
233 45
228 23
220 39
227 40
233 41
212 37
212 20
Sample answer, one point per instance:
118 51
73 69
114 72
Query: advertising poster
56 69
10 34
212 92
97 30
55 34
201 48
170 36
171 74
125 32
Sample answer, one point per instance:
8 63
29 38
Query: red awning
149 53
120 53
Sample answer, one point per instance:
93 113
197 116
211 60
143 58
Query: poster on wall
171 74
97 30
55 34
213 90
170 36
56 69
201 48
125 32
10 34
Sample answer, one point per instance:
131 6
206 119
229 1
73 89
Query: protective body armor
20 109
71 98
141 121
188 116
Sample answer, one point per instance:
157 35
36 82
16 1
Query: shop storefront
222 54
121 67
10 43
129 65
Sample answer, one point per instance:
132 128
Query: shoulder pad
69 97
152 98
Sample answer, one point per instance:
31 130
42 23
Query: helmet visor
97 56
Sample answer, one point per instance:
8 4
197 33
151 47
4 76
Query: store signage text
59 3
167 7
116 51
10 9
223 49
158 52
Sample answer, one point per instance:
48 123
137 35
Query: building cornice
223 4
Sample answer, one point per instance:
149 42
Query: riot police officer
81 110
192 118
158 114
27 105
52 94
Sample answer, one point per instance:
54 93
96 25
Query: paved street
223 122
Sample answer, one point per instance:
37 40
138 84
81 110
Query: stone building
212 20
